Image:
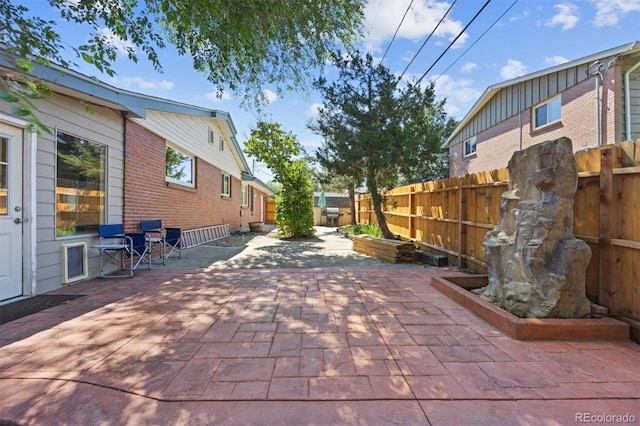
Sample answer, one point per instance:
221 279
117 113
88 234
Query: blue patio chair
115 245
168 240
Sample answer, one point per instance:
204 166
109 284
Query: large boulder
536 266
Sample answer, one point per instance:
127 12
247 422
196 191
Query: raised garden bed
392 251
458 288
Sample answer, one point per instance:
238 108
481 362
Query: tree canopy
241 45
374 130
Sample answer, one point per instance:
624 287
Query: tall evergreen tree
374 131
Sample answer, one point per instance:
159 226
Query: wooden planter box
392 251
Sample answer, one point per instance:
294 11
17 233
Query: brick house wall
147 195
496 145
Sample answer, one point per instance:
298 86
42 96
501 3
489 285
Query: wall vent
74 262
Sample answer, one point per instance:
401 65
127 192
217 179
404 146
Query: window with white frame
245 195
547 113
81 176
470 147
226 185
179 167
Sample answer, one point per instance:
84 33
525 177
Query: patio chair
115 245
168 240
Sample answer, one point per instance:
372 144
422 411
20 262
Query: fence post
411 211
609 159
462 231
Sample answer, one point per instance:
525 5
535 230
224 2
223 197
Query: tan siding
192 134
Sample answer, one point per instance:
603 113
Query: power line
397 29
477 40
427 39
454 40
375 18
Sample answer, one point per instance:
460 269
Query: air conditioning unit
74 262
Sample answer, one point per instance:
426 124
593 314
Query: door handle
17 220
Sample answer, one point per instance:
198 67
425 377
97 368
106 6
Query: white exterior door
10 212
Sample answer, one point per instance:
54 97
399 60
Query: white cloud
609 12
141 83
460 94
567 16
513 69
217 97
270 96
122 46
383 17
310 146
523 15
468 67
555 60
312 111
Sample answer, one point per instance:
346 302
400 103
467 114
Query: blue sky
532 35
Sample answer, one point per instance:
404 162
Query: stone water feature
536 266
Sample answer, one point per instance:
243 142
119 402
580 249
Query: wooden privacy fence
452 216
270 211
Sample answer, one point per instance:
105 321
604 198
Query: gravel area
236 239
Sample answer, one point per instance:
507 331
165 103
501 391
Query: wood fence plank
627 153
609 159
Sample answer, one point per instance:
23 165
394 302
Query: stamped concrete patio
327 345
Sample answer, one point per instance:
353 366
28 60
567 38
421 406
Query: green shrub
368 229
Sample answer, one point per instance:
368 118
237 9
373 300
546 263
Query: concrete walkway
327 345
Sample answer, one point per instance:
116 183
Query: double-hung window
547 113
245 195
179 167
470 147
81 175
226 185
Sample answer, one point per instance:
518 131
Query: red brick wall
496 145
148 196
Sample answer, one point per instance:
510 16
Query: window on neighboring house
81 175
469 147
212 136
221 144
547 113
226 185
179 167
245 195
252 199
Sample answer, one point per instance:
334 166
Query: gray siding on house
102 126
509 101
634 90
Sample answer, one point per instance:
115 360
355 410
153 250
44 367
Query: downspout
124 115
627 101
520 108
598 136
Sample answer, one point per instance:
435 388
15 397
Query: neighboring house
593 101
109 165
